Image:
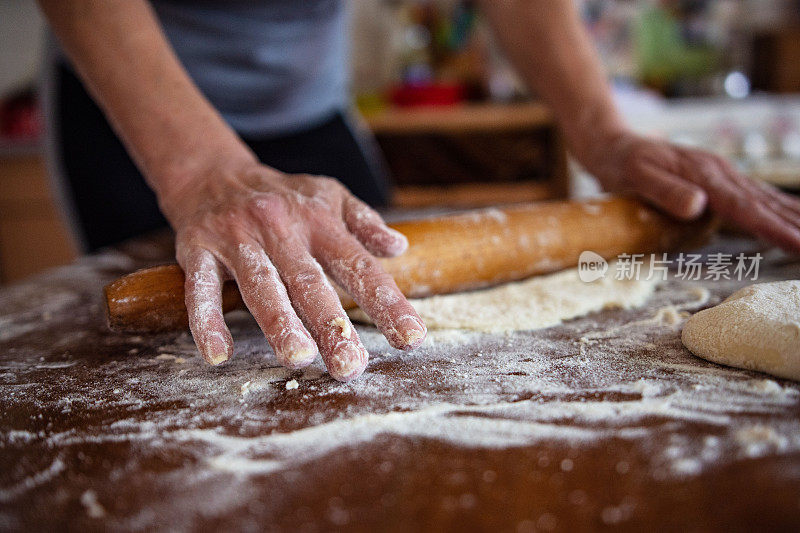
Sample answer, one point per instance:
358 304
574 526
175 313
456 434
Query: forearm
271 232
548 45
121 54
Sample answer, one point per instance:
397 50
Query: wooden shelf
469 195
471 155
460 119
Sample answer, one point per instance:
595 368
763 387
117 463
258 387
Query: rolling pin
450 254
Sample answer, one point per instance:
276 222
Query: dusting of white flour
621 376
536 303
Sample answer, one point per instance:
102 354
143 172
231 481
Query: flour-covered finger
787 206
203 288
318 305
265 296
785 200
772 227
370 229
764 198
767 192
780 203
754 216
774 204
363 277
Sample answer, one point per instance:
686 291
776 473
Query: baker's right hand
278 236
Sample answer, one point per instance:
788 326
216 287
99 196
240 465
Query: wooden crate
776 61
472 155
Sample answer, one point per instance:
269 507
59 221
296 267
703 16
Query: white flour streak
7 494
619 375
57 364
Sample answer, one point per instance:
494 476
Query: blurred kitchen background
455 125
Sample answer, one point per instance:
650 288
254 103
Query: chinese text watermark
686 267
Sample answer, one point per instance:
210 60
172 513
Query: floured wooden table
604 422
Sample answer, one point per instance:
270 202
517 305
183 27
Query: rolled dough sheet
535 303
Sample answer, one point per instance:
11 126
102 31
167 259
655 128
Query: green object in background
663 55
461 25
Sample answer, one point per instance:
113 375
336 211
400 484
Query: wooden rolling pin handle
449 254
152 300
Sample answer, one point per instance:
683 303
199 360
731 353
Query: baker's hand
684 181
278 236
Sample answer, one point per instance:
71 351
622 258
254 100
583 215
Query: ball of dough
756 328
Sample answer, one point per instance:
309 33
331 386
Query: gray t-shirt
269 66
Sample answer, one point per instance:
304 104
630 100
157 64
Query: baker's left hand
685 181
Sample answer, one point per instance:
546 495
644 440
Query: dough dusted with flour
538 302
756 328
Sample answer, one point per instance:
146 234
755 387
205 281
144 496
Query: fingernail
297 351
401 242
409 333
347 362
217 359
697 204
216 350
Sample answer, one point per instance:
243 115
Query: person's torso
269 66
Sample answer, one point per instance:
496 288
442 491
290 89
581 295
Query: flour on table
535 303
756 328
